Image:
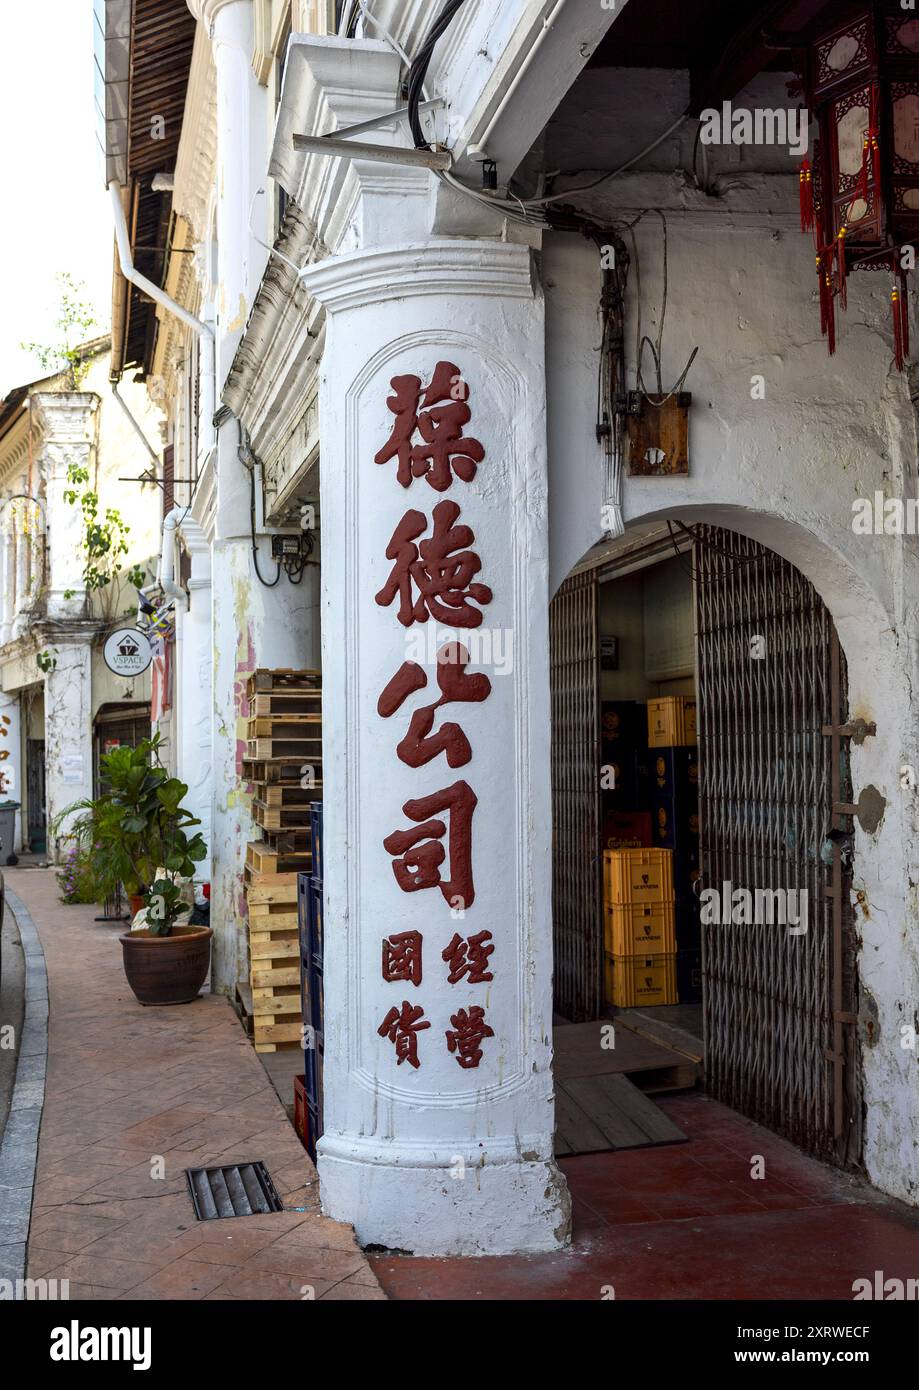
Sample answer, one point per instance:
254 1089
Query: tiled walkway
689 1222
133 1097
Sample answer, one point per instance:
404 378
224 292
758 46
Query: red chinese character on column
421 853
469 957
444 450
402 1028
402 958
419 745
469 1029
441 569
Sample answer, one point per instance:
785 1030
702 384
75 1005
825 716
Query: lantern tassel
873 136
841 265
900 305
827 309
897 328
904 313
806 196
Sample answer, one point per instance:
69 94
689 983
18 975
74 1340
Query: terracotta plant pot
135 902
167 969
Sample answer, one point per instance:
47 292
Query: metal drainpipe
133 419
204 330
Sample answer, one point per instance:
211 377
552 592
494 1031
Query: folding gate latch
857 731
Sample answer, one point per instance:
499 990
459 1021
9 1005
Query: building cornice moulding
206 11
441 266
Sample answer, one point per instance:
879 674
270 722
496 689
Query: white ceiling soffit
111 72
552 43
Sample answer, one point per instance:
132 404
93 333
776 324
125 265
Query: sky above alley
55 209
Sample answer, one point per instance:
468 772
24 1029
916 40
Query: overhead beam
778 25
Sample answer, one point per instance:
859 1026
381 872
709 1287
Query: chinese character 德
441 569
402 1028
469 1029
444 449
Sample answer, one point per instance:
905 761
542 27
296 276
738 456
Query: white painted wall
785 470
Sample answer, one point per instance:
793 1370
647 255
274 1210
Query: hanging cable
418 70
248 461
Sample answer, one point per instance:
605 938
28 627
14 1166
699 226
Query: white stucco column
68 730
68 422
439 1112
194 660
11 763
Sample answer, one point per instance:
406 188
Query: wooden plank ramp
601 1091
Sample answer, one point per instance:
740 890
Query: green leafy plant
75 321
138 826
45 661
105 538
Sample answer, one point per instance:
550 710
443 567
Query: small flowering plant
76 878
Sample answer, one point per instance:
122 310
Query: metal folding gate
576 873
779 1007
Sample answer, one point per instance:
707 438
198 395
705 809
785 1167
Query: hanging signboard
127 652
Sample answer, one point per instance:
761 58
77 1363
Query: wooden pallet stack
284 762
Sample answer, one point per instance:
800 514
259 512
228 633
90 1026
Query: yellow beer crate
636 929
671 722
640 982
637 877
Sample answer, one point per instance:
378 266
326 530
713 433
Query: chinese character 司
402 1028
469 1029
442 569
469 957
444 449
416 865
402 958
419 745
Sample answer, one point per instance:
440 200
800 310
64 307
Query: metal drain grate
240 1189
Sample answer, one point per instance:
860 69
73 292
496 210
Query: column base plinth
451 1207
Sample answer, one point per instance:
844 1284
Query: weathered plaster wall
786 470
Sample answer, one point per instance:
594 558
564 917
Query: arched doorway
778 1006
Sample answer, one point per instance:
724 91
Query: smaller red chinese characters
442 569
469 957
420 745
438 413
402 1028
419 853
402 958
468 1032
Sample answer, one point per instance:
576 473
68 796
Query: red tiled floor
133 1097
690 1222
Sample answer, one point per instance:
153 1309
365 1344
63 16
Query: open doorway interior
700 762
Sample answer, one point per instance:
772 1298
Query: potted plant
140 835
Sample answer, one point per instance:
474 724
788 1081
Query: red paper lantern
861 198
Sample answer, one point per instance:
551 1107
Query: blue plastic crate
314 943
312 1069
303 909
316 837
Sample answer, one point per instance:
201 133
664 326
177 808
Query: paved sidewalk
133 1097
